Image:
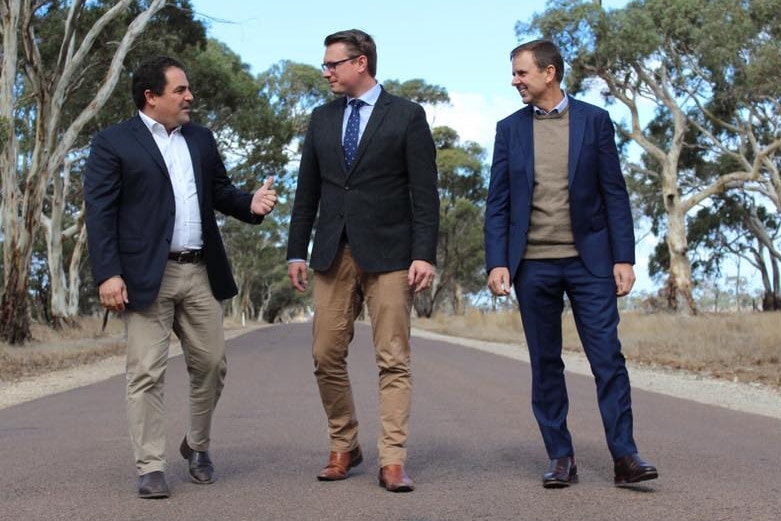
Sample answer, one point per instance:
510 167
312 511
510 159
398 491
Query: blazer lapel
195 157
577 125
378 114
144 137
333 121
526 139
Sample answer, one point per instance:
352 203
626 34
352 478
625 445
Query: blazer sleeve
307 198
615 195
422 168
227 198
102 180
497 208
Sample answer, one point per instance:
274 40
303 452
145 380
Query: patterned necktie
350 143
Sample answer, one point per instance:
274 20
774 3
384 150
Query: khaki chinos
186 306
337 295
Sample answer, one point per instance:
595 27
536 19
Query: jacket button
347 188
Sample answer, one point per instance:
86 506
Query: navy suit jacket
130 209
598 200
387 204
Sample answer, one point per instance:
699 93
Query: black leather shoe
561 473
632 469
153 486
201 467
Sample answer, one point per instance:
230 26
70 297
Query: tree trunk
459 307
14 311
680 275
423 302
64 302
53 139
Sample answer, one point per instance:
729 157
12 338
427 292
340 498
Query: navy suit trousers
540 286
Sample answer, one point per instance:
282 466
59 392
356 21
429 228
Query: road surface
474 451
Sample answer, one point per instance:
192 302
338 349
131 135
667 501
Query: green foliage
295 89
462 193
418 90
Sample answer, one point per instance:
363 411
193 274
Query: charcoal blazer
599 207
131 209
386 205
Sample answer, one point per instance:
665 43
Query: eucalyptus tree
462 191
34 94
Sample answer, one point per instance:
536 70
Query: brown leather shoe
631 469
394 479
561 473
339 463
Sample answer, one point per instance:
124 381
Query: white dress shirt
173 147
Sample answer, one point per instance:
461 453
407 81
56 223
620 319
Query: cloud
474 115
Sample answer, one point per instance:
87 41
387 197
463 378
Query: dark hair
150 75
545 53
358 43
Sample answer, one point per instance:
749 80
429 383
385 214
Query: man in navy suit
368 173
151 187
558 221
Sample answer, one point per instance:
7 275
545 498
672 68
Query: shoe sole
560 484
156 495
647 476
402 488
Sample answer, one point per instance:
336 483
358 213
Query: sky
462 46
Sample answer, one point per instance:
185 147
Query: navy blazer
599 203
387 204
130 208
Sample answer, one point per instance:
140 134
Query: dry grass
72 346
739 347
53 350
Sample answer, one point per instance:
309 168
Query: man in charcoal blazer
368 174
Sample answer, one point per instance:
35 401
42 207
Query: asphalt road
474 452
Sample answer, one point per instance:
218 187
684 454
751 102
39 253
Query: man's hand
297 272
625 278
499 281
113 293
264 199
421 275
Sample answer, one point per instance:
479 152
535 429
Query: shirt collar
155 126
558 109
369 97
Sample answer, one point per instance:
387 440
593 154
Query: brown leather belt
186 256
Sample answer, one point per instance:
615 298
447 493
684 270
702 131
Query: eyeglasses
331 66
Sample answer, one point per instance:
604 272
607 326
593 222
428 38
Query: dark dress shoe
394 479
339 463
201 467
561 473
153 486
632 469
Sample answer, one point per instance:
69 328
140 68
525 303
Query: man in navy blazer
368 177
558 221
151 187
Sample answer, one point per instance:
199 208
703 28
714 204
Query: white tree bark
52 142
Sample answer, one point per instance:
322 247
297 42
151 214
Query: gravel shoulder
751 398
